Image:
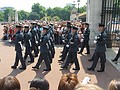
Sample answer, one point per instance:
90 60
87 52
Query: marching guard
72 51
19 48
100 50
44 51
28 44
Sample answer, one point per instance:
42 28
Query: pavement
110 54
7 57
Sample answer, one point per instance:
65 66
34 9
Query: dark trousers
102 57
72 56
85 43
28 52
93 56
43 56
118 55
19 56
64 54
35 49
50 57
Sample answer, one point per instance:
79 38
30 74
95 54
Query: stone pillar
16 16
94 10
9 18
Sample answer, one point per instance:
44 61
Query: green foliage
34 16
56 18
49 18
9 12
40 10
23 15
83 9
1 16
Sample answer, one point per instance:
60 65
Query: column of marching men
32 38
40 39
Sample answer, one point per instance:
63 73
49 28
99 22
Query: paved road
7 56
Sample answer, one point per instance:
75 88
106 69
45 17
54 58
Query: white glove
63 41
95 41
36 42
40 40
67 45
81 40
96 37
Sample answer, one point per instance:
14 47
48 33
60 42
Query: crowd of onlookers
67 82
59 29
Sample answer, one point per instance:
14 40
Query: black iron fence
111 18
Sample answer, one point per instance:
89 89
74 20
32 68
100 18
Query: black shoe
90 69
90 60
113 60
79 52
22 68
13 67
46 69
76 68
100 70
35 67
64 68
60 60
87 53
31 61
60 56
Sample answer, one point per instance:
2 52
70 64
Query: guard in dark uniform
65 41
28 44
19 48
34 39
85 42
44 51
100 50
72 52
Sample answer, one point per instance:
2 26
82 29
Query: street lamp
78 4
73 4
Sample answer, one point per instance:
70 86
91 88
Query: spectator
114 84
9 83
87 87
39 84
68 82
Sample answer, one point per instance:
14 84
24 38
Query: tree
9 12
22 15
1 16
56 18
83 9
48 18
40 10
49 11
33 16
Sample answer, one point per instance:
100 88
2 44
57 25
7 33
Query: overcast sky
26 4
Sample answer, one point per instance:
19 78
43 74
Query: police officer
65 41
85 42
44 51
28 45
100 50
73 48
19 48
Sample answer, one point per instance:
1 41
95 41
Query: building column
94 10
